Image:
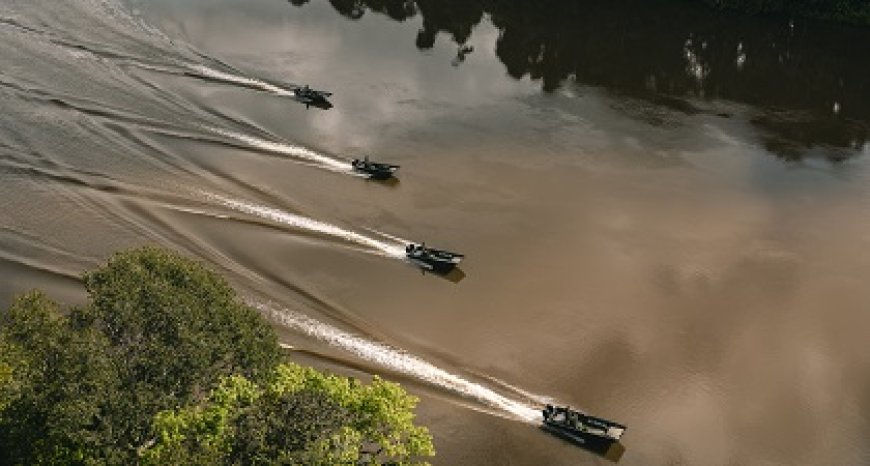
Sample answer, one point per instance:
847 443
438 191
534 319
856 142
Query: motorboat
433 260
375 170
309 96
587 431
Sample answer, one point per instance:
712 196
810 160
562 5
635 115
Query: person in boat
549 411
571 419
415 248
561 415
363 163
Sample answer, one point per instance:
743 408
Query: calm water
664 211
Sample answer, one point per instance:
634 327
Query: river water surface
665 211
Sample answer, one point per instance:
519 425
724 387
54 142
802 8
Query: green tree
102 384
11 373
60 379
159 332
174 328
298 416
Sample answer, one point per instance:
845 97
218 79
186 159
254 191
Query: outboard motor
548 411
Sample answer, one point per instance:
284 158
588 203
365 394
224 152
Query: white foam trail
197 212
304 223
242 80
542 400
400 361
285 149
151 67
389 236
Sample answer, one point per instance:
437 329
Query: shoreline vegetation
166 365
856 12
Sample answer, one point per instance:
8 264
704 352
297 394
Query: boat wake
283 148
384 248
398 240
400 361
114 106
202 71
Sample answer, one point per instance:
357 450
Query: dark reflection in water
456 275
808 78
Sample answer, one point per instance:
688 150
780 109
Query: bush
159 332
103 384
335 420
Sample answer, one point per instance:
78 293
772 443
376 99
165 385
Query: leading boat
375 170
433 260
586 431
309 96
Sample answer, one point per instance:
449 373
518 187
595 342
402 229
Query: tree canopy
337 420
166 365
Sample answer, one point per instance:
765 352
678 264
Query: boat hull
435 266
381 175
375 171
433 260
592 442
314 100
377 175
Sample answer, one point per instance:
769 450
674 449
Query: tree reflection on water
807 79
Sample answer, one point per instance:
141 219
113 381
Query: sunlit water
663 225
400 361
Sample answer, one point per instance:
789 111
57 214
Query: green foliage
12 366
60 378
176 327
159 332
299 416
102 385
179 325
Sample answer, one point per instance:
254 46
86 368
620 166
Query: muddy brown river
665 210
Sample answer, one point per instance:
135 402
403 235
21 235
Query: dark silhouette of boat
309 96
433 260
375 170
587 431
